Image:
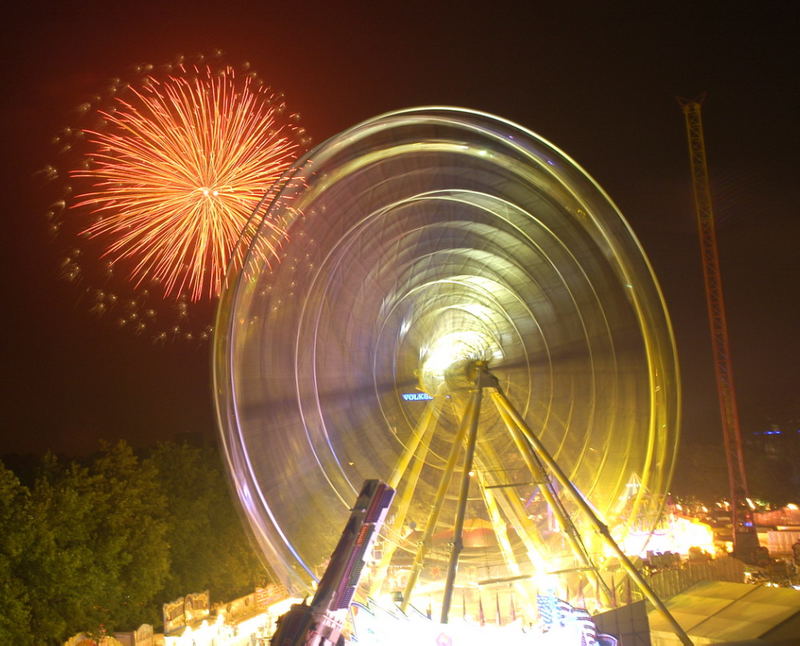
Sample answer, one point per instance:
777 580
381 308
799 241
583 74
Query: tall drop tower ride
745 540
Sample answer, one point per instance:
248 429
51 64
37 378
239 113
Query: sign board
196 606
143 635
270 594
173 616
415 397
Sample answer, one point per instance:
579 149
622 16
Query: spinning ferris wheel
461 311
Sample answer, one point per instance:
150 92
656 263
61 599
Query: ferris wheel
457 305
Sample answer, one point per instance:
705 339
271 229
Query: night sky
600 85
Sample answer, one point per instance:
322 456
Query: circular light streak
420 240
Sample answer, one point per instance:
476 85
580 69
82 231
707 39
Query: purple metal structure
321 622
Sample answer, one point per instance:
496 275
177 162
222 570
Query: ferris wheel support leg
438 500
502 402
565 522
540 477
421 430
500 531
511 506
417 447
474 412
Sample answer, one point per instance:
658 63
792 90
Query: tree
209 547
103 544
101 557
129 535
61 576
702 472
770 477
15 535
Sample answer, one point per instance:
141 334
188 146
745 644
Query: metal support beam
511 506
428 416
463 494
417 447
503 403
537 471
438 500
501 533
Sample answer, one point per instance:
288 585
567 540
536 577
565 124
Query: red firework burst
177 172
164 170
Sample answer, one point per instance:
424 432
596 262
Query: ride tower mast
745 540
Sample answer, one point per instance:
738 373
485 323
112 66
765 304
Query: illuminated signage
415 397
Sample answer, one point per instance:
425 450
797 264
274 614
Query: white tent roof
714 612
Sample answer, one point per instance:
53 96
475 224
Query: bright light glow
386 630
225 631
450 349
178 170
205 633
792 506
283 606
677 537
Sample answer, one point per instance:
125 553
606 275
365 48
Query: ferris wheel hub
446 359
469 374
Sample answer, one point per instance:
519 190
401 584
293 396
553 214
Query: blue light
415 397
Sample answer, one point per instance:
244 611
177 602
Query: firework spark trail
178 172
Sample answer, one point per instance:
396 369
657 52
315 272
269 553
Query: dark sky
600 85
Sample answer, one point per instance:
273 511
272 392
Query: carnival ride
433 254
